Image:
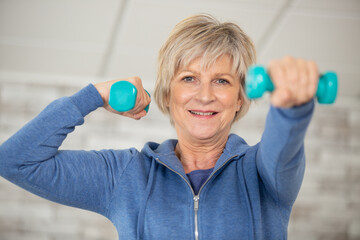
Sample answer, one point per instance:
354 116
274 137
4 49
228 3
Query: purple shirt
198 178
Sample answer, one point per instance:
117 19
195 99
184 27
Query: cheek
179 97
230 101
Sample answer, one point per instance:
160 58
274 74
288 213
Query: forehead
222 64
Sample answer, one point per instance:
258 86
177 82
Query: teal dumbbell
258 82
122 96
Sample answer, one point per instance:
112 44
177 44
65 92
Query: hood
165 154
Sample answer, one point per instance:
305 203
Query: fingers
295 81
278 74
142 98
314 78
136 116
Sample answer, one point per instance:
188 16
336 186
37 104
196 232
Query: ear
239 104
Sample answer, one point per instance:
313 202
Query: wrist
87 99
102 91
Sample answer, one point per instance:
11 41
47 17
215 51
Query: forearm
281 158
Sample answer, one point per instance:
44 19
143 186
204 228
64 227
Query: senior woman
207 184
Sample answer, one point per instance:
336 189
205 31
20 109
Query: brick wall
328 206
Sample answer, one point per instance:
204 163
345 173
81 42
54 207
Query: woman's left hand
295 81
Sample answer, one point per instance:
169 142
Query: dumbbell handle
258 82
122 96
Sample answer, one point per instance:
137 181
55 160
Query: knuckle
301 62
137 78
312 63
288 59
273 63
148 100
274 66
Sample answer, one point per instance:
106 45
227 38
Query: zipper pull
196 202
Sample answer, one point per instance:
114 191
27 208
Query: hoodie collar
165 154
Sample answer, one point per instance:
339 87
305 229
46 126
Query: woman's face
203 102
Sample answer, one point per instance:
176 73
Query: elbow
9 163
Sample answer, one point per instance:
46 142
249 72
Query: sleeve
84 179
280 158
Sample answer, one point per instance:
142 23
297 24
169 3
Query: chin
203 134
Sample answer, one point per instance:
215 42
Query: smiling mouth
202 113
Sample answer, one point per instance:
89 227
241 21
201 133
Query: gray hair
203 36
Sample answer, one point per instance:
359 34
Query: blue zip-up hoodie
146 194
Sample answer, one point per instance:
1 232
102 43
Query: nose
205 93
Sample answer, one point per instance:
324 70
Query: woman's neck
195 155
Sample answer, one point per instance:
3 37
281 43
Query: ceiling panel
66 20
147 24
65 34
48 60
334 6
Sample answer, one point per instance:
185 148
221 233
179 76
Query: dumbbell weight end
257 82
122 96
327 88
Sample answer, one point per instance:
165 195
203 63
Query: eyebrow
198 73
188 70
224 74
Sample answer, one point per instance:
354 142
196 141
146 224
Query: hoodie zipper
196 209
196 198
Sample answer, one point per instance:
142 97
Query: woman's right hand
142 98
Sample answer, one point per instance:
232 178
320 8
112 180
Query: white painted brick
9 192
300 234
73 142
28 94
19 208
355 141
354 118
66 213
354 229
99 231
11 120
24 236
53 227
62 236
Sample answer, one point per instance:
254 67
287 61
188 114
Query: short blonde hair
203 36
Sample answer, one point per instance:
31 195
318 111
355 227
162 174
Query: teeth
202 113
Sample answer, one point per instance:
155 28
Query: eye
188 79
222 81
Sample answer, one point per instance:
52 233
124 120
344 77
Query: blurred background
50 49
